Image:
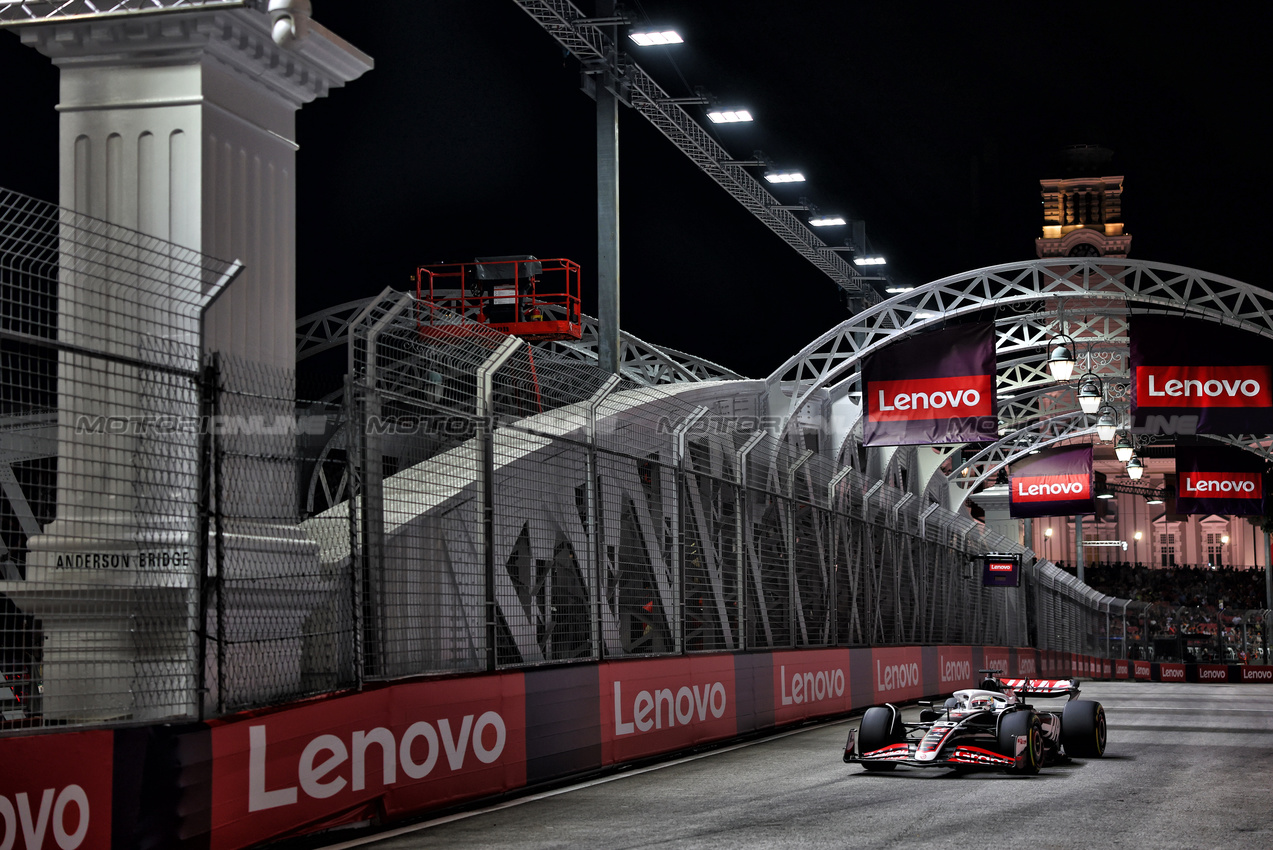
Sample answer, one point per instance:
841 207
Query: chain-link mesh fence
182 536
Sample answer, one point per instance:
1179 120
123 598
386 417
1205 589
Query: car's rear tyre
1025 723
1083 729
880 727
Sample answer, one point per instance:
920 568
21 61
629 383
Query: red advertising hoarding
898 675
406 748
1251 673
1213 673
55 791
811 684
660 705
1168 672
955 670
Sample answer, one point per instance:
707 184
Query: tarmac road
1187 765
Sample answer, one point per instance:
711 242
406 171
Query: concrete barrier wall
408 748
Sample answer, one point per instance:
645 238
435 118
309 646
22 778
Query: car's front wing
952 755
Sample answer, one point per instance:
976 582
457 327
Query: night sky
933 123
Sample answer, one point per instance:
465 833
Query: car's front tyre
881 726
1019 723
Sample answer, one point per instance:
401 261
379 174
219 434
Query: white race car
992 726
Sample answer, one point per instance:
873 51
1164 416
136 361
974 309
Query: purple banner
1191 376
938 387
1219 480
1053 483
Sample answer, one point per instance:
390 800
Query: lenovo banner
811 684
1195 377
897 674
935 388
660 705
1218 480
55 791
1001 570
398 750
1053 483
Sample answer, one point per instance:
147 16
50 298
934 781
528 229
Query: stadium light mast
608 199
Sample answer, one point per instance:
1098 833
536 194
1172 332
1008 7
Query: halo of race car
991 727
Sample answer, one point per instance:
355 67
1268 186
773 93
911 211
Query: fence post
678 514
373 524
833 542
593 491
209 511
740 460
486 428
795 611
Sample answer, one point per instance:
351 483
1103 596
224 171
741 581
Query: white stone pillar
182 126
994 501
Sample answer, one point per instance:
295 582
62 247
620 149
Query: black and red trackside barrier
404 749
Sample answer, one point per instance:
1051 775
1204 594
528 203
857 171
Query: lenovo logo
665 707
1213 674
1239 485
64 813
1203 386
329 763
1257 674
930 398
1047 488
808 687
1172 673
955 671
894 676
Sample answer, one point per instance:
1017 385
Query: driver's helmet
982 703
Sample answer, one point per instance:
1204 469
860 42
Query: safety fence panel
102 435
280 622
182 537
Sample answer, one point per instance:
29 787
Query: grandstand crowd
1184 585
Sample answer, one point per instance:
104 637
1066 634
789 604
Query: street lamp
1123 449
1089 393
1135 469
1061 358
1106 426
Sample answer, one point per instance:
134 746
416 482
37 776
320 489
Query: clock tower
1082 210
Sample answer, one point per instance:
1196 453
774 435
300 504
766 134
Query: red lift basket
521 295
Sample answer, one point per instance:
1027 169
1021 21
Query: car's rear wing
1043 687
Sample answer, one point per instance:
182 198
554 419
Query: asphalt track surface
1187 765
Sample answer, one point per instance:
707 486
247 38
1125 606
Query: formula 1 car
990 727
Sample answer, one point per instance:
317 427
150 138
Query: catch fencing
183 538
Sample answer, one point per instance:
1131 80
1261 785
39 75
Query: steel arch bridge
1030 302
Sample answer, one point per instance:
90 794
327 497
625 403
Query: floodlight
729 116
868 261
651 39
826 221
784 177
